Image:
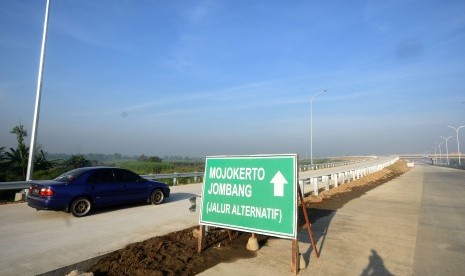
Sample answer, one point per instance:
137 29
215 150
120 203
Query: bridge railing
340 177
329 165
175 176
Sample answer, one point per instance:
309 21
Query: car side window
126 176
101 176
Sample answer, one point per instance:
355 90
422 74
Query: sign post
254 193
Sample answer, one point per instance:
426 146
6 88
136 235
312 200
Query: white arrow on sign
278 181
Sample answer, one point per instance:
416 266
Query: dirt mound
175 254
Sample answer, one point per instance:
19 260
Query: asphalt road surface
440 243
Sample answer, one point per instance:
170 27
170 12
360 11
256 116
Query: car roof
100 167
95 168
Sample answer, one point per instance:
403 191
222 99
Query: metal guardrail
14 185
174 176
344 176
329 165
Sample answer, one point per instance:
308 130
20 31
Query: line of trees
14 161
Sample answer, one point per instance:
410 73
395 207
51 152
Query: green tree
77 161
154 159
142 158
2 154
116 156
17 158
14 162
20 133
41 162
3 165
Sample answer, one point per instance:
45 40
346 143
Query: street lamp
32 148
311 126
435 160
447 149
458 143
440 152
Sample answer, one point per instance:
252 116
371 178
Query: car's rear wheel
81 207
157 197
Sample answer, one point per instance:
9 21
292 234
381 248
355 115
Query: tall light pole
458 143
440 152
311 126
435 160
30 163
447 149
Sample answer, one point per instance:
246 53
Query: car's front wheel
157 197
81 207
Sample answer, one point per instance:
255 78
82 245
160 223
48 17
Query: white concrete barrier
345 176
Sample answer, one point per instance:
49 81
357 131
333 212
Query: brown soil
176 253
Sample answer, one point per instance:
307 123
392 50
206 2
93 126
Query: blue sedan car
80 190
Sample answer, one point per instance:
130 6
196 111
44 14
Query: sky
199 78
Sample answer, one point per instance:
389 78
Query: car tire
81 206
157 197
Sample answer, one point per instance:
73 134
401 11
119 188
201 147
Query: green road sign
251 193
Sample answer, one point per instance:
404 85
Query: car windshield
71 175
